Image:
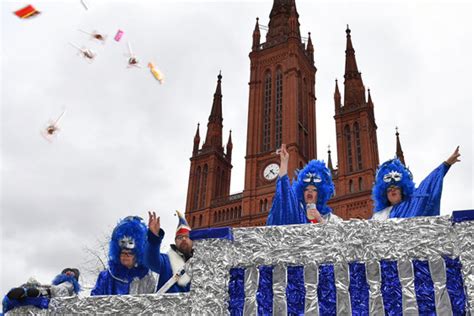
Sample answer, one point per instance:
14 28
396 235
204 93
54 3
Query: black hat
74 270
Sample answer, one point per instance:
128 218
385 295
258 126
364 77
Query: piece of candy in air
118 36
27 12
156 73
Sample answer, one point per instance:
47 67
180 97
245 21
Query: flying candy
27 12
118 36
156 73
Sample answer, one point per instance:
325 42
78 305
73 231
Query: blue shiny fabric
295 290
455 286
218 233
391 288
358 289
424 288
265 291
426 199
285 207
116 280
462 216
40 302
236 291
327 291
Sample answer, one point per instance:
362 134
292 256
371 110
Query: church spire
370 103
337 98
399 152
214 126
256 37
330 167
283 22
310 48
229 147
197 140
354 90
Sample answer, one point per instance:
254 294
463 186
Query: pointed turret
283 22
354 91
399 152
229 147
310 48
330 167
214 126
337 98
256 37
197 140
369 102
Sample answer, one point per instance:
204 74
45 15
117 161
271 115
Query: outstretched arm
426 199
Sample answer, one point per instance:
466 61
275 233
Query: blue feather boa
379 191
61 278
325 187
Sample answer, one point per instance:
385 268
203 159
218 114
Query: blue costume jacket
117 280
287 209
426 199
161 264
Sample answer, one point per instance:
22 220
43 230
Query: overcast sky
126 140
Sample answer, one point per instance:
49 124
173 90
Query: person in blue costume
36 294
126 273
170 266
305 200
394 192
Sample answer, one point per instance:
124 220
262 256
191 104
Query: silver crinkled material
426 238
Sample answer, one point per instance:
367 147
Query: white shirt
383 214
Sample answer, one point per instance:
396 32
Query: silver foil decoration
423 238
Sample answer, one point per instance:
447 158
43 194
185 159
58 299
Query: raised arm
153 258
426 199
284 157
285 209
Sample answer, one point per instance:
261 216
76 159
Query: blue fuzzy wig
61 278
130 233
315 173
391 173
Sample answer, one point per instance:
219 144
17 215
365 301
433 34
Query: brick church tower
281 107
210 166
356 135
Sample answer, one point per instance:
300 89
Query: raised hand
154 223
454 157
284 157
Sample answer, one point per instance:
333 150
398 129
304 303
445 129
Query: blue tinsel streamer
236 291
358 289
391 288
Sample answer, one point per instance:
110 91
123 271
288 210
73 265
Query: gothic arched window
358 148
278 108
347 135
198 187
204 186
217 185
267 104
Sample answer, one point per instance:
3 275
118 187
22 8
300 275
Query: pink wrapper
118 36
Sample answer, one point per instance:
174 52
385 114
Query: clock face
271 171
